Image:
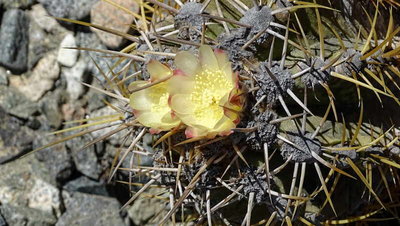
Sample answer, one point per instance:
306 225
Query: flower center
210 87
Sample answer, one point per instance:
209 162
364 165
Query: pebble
85 185
87 209
44 20
114 18
22 4
15 103
67 57
14 40
56 159
74 77
3 76
45 197
85 160
42 78
72 9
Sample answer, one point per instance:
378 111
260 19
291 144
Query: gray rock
42 78
85 160
45 197
3 77
86 185
2 220
74 77
56 159
25 198
22 4
50 107
67 57
45 21
45 35
72 9
15 103
20 215
144 209
14 39
86 209
15 139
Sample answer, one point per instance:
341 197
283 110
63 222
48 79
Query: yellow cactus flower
150 105
205 93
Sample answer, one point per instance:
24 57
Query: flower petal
187 62
139 101
224 126
222 57
207 58
191 132
181 104
180 84
153 121
157 70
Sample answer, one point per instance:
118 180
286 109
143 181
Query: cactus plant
279 124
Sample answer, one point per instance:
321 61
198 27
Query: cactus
316 142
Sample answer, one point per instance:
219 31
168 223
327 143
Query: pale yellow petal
224 126
227 70
180 84
181 104
222 57
136 84
158 70
169 119
191 132
207 58
152 120
139 101
187 62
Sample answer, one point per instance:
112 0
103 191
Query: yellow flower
205 93
150 105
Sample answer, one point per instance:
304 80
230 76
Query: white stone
68 57
74 78
45 197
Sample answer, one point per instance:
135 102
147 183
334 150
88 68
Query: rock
45 21
14 38
3 77
22 4
20 186
68 57
45 197
111 17
102 112
72 9
86 185
42 78
85 160
15 103
74 77
2 220
20 215
50 107
143 209
45 34
86 209
56 159
15 139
